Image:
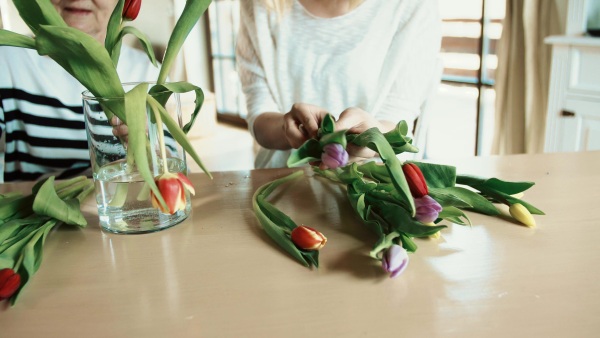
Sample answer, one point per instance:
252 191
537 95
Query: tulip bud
416 181
131 9
172 188
521 214
334 156
9 283
427 209
394 260
308 238
437 234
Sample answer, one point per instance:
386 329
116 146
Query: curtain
523 75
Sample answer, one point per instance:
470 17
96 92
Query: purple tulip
428 209
395 260
334 155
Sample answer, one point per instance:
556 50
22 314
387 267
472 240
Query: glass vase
122 195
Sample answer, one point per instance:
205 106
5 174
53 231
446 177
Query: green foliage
277 224
27 221
380 196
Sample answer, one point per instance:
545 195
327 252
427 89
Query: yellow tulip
521 214
437 234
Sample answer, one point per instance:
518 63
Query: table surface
219 275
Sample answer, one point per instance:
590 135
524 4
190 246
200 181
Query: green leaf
32 256
308 152
75 51
48 203
192 12
398 140
454 215
8 38
400 219
375 171
179 87
327 125
38 12
12 227
335 137
374 139
177 132
437 175
113 31
275 223
15 206
470 199
144 41
505 187
135 110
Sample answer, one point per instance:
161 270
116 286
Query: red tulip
308 238
415 179
9 283
172 188
131 9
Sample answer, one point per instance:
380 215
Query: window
464 108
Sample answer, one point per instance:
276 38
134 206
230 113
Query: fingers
302 122
119 129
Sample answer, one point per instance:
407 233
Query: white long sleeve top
381 57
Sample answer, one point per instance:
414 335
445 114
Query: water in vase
123 199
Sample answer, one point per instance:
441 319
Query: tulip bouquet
397 201
94 65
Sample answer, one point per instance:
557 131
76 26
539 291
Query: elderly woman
41 117
368 63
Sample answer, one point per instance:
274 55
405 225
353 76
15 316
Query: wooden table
219 275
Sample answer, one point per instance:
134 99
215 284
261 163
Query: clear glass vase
122 195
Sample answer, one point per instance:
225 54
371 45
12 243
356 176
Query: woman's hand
357 121
119 129
301 123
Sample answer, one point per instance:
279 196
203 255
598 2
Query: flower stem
161 139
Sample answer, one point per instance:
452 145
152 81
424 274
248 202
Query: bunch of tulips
397 201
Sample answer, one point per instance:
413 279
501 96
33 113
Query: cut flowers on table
397 201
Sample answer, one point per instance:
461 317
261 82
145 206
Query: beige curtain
523 75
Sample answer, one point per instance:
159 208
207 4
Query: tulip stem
161 139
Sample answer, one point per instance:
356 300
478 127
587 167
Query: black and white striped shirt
41 117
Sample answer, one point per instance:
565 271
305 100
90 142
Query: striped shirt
41 117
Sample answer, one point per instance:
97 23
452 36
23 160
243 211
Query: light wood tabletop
219 275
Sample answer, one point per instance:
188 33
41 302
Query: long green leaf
48 203
32 256
135 110
180 87
8 38
437 175
274 221
309 151
113 30
177 133
83 57
144 41
192 12
38 12
374 139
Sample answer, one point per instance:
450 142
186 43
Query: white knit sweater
381 57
